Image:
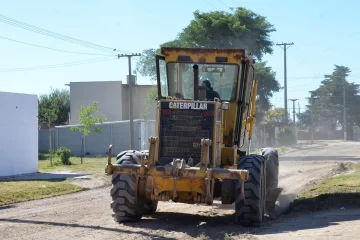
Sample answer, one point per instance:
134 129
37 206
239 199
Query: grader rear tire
250 212
126 203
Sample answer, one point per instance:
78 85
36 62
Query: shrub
42 156
64 154
286 137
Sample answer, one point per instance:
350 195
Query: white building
18 133
112 98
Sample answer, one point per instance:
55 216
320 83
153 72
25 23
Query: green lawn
339 191
17 191
90 165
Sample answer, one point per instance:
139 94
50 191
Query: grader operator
196 154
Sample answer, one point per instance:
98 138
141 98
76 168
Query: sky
324 33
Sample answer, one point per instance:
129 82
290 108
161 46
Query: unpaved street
87 215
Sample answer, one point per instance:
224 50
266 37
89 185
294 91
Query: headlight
225 105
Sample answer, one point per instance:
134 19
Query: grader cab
195 154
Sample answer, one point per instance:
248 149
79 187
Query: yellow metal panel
228 156
231 167
229 126
162 184
252 119
190 173
202 55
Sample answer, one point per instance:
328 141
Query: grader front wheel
127 203
250 211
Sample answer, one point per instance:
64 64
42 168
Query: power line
211 5
54 49
342 40
51 34
223 3
309 77
48 33
306 63
57 65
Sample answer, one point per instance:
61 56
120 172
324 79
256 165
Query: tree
59 102
240 28
267 86
149 98
87 123
327 101
276 116
304 118
146 65
49 116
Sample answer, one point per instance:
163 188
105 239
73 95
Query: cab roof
201 53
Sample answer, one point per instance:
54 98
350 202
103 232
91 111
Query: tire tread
249 212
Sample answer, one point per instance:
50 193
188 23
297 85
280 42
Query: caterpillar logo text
188 105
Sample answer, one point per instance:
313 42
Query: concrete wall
113 100
44 139
139 93
107 94
18 134
115 133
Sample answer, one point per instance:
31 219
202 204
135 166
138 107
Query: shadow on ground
194 225
89 227
326 202
318 212
214 226
312 221
42 177
282 205
7 207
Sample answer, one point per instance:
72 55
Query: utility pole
298 115
312 97
285 79
312 119
294 100
130 97
344 104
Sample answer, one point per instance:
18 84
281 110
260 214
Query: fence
115 133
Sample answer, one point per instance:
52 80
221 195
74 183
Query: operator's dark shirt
211 94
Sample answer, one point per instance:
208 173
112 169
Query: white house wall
113 100
18 134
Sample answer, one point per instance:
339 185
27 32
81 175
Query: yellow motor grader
195 154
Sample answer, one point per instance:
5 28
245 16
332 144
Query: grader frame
147 179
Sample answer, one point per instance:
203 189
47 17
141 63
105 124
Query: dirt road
87 215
